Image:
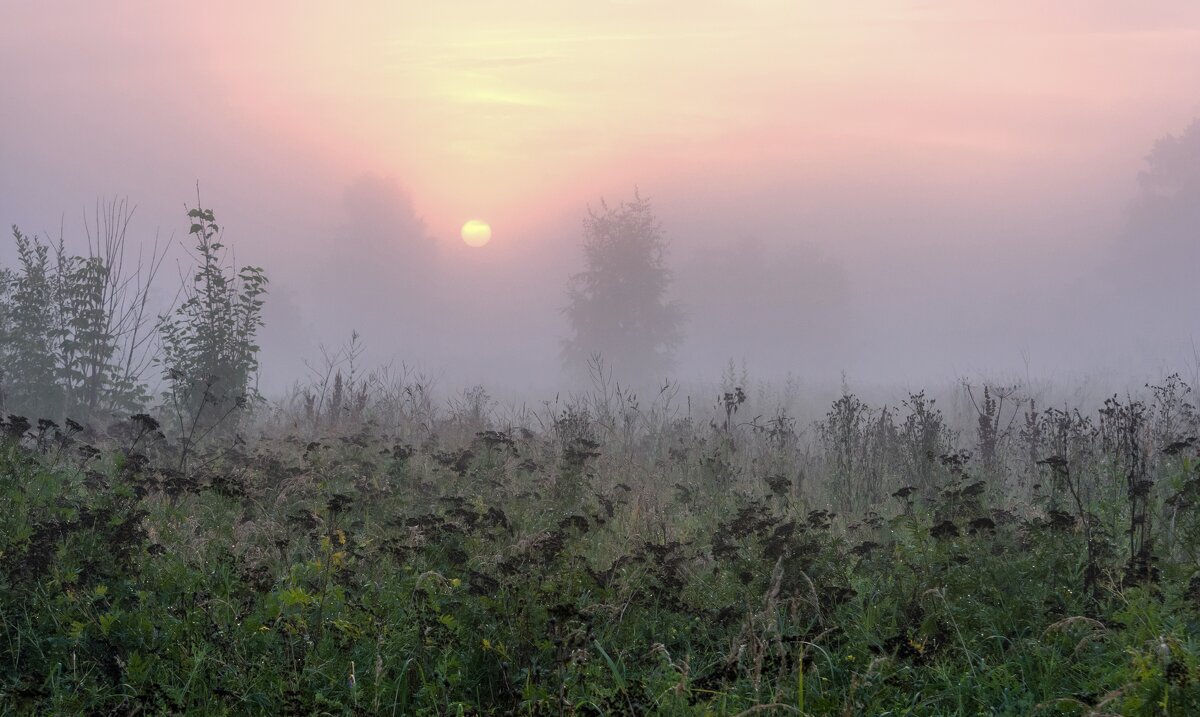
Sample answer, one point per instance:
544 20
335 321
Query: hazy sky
940 164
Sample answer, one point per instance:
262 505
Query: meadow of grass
375 555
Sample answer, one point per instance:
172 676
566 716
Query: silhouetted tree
209 352
74 329
1173 165
618 305
1161 241
387 249
28 347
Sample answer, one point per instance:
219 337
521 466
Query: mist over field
620 357
905 194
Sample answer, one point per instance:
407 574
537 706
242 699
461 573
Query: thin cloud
496 97
491 63
552 40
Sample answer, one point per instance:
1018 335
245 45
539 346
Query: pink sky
507 109
813 122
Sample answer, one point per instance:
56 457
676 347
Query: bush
209 356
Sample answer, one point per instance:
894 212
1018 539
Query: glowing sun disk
476 233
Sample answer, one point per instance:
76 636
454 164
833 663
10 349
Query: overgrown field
601 557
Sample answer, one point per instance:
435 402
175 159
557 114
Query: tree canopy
618 305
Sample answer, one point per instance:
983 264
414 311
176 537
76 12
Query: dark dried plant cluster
607 555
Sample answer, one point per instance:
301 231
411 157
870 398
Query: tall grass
607 554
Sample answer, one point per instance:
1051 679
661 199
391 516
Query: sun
476 233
